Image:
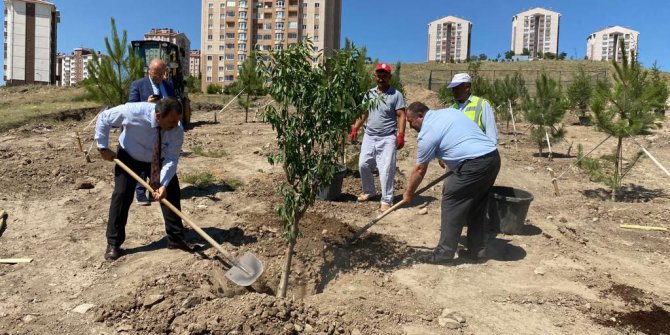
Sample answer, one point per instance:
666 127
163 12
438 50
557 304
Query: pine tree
506 92
110 76
396 80
626 108
545 111
580 92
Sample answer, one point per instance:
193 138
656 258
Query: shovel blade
249 270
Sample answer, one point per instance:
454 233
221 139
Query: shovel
244 271
365 228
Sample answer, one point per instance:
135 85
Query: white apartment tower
605 44
535 30
72 69
30 41
449 39
194 63
232 29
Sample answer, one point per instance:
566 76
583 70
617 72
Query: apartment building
30 41
194 63
449 39
535 30
72 69
605 44
232 29
177 38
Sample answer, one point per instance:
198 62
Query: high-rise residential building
232 29
449 39
72 69
535 30
194 63
174 37
30 41
605 43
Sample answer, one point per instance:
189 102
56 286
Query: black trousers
122 198
465 202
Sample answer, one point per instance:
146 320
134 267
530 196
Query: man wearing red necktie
150 143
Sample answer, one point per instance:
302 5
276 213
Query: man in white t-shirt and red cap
476 108
384 134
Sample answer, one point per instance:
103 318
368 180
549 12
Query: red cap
383 67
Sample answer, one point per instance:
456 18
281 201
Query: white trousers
378 151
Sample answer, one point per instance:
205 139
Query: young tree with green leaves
626 108
545 111
580 92
109 77
309 119
250 80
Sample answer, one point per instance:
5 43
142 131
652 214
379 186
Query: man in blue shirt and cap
454 139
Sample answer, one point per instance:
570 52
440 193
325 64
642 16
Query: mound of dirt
417 93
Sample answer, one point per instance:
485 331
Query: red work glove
400 141
353 134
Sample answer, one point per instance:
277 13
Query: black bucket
508 208
333 191
584 121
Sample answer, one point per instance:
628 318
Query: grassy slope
22 104
418 73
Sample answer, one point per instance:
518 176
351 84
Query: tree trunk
618 167
246 109
283 283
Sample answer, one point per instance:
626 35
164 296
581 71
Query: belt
489 155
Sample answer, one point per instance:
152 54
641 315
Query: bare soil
573 271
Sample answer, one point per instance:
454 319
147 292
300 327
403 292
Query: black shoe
433 258
180 245
142 200
473 257
113 253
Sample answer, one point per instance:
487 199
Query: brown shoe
113 253
384 207
363 198
180 245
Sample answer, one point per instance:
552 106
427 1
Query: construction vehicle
176 60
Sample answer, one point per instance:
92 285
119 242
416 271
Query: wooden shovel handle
174 209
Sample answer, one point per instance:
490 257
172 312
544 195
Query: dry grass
22 104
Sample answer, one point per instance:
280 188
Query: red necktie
156 163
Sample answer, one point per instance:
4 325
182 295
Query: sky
392 30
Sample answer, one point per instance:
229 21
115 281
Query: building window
210 5
242 36
230 77
230 67
209 58
243 14
316 27
222 16
304 16
304 26
293 25
209 37
220 68
209 47
243 4
209 79
242 58
279 36
221 48
230 35
220 58
242 47
268 26
243 25
279 47
317 5
221 37
230 56
230 4
280 25
304 4
292 36
316 16
223 5
209 26
209 68
230 45
210 16
230 14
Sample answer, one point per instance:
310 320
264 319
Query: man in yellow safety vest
476 108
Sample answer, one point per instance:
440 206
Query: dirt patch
655 321
630 295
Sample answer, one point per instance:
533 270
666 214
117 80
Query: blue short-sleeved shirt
383 120
452 137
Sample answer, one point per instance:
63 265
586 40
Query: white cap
458 79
